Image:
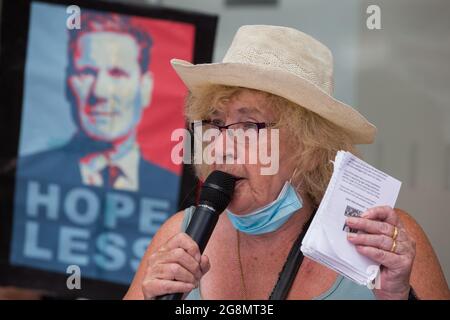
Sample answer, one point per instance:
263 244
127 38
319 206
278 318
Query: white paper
354 187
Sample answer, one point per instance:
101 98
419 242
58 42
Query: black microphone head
218 189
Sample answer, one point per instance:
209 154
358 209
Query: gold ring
394 246
394 236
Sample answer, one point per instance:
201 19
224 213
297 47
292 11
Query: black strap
412 294
293 262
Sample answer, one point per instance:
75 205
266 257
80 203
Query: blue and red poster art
94 178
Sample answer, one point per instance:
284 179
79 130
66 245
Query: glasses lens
245 126
209 126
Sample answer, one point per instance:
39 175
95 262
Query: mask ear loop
292 176
290 181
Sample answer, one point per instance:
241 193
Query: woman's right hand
176 266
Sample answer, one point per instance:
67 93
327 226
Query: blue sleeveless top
342 289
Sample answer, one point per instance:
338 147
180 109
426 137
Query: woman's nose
225 149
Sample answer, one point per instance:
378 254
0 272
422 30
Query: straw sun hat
284 62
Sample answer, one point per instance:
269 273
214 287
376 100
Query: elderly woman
280 78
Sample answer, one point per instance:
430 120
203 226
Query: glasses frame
259 125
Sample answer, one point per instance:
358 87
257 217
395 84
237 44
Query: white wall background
398 77
403 87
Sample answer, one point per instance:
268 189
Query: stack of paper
355 186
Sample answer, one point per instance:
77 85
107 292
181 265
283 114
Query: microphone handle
202 224
200 229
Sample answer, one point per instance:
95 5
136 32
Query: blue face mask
270 217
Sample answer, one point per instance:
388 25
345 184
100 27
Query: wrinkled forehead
246 102
107 49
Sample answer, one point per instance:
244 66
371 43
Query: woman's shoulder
414 229
410 223
427 277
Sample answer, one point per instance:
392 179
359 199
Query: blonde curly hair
318 138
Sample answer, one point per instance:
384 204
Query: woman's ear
146 87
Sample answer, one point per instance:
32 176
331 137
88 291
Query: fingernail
197 257
351 235
365 215
351 220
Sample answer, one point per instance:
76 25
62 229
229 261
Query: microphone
215 195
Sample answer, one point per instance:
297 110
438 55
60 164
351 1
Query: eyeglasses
246 126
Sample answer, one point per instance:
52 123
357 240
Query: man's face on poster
108 84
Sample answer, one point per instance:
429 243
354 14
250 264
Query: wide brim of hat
281 83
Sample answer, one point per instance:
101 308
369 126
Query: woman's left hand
384 239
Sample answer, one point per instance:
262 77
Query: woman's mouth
239 181
237 178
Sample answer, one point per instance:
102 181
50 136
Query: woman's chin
239 204
241 201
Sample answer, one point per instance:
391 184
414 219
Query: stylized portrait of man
95 179
108 85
